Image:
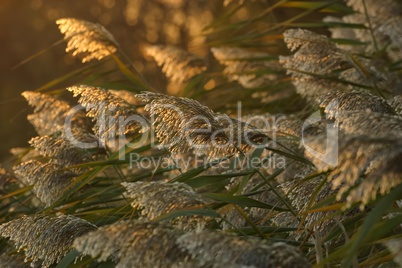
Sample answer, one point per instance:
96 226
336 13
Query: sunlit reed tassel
184 124
45 239
158 198
50 115
337 102
113 116
177 64
86 39
209 247
49 180
134 244
250 69
60 150
367 166
315 59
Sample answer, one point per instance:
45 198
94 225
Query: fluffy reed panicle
248 68
314 53
367 167
362 114
50 115
134 244
318 67
113 116
231 251
337 102
385 19
49 180
177 64
300 196
60 150
183 124
315 56
370 123
86 39
158 198
45 239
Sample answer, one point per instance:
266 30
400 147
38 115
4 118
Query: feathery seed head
210 246
243 66
337 102
367 166
182 124
60 151
177 64
45 239
370 124
87 39
49 180
134 244
158 198
113 116
49 113
53 116
315 56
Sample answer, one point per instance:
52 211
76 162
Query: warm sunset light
178 133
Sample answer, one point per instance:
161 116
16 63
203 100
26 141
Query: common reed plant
280 148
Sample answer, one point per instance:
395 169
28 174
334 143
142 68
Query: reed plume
134 244
158 198
45 239
113 116
177 64
60 151
367 167
86 39
250 69
50 116
183 124
362 114
370 124
338 102
315 59
300 196
232 251
49 180
381 21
